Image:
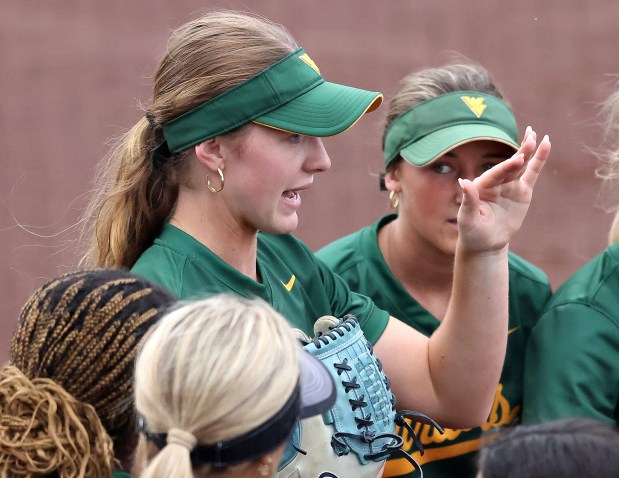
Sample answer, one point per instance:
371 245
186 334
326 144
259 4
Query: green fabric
572 365
190 270
358 260
433 127
290 95
120 474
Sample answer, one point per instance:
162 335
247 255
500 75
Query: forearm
466 352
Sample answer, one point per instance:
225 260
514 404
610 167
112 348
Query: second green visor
432 128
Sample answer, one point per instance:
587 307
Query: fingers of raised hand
506 171
535 165
529 143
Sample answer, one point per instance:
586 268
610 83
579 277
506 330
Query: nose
317 159
469 173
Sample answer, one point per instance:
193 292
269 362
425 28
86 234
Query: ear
210 154
392 177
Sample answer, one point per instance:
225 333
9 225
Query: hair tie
181 437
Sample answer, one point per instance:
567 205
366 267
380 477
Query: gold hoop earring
394 200
264 469
221 179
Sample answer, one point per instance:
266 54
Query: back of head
429 83
68 389
567 448
204 58
214 369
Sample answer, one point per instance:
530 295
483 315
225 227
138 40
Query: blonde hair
432 82
66 399
609 158
216 369
132 196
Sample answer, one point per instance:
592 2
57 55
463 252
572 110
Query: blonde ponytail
608 166
215 369
173 459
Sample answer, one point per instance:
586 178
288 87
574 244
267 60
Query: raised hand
495 204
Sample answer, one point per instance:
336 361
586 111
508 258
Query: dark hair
566 448
67 392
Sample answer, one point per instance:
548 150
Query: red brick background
74 74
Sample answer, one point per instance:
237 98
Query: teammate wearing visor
443 124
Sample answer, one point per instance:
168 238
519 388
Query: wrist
464 252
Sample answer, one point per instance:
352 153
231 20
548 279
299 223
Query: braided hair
66 396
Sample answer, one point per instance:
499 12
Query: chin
287 226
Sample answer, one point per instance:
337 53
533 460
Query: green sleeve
571 366
344 301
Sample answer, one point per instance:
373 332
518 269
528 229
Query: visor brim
318 391
436 144
325 110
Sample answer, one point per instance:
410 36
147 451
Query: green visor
436 126
290 95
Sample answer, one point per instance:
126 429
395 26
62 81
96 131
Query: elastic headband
433 127
256 443
290 95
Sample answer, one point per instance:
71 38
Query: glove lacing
392 443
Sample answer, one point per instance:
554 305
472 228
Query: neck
124 447
425 272
214 227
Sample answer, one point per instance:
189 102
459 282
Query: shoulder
163 266
343 252
521 269
353 250
592 288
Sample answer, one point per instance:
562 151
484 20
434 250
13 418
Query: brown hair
569 448
67 393
133 197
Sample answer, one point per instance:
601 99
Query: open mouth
290 195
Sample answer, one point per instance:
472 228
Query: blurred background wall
76 73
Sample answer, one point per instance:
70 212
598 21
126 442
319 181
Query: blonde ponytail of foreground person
210 372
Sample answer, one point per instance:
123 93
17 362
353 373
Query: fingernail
461 183
546 138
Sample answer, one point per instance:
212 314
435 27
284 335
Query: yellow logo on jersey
305 58
502 414
476 105
290 283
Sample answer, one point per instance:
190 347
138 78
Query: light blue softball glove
356 436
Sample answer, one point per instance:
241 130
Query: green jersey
293 281
572 360
358 259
